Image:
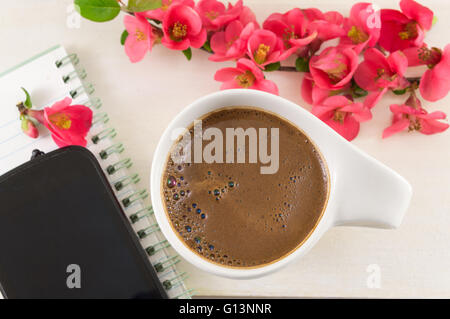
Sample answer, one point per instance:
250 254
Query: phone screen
64 235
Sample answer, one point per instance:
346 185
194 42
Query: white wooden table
141 99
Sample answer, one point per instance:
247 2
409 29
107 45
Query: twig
288 69
412 80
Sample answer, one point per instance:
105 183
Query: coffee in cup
251 193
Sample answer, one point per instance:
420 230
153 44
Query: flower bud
29 128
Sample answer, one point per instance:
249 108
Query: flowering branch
68 124
341 89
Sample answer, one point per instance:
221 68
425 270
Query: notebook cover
59 219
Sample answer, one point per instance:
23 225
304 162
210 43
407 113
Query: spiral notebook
50 77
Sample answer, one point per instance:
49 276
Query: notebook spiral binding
131 199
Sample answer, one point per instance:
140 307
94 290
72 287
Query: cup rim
159 159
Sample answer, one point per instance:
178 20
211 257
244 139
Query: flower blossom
182 27
333 68
68 124
342 115
401 30
140 37
406 117
231 43
264 47
378 73
245 75
362 28
292 28
215 15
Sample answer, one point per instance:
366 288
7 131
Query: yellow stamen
231 42
289 34
246 79
211 15
380 73
140 36
339 116
61 120
261 53
414 124
409 31
178 31
357 35
430 56
338 73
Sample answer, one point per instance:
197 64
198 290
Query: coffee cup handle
369 193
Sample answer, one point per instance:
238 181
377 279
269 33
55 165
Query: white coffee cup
363 191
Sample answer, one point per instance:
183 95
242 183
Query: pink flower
68 124
140 37
333 68
342 115
214 14
377 74
160 13
248 16
292 28
401 30
328 25
435 82
182 27
415 119
29 128
415 55
245 75
311 93
264 47
231 43
362 28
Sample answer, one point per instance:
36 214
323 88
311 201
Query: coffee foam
210 205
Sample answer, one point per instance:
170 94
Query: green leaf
27 102
435 19
302 64
98 10
143 5
123 37
357 91
399 92
207 47
188 53
272 67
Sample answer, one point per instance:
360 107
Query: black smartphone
63 234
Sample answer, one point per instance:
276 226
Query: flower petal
135 49
433 87
267 86
373 98
233 84
398 63
395 128
199 39
417 12
226 74
429 127
435 83
349 129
